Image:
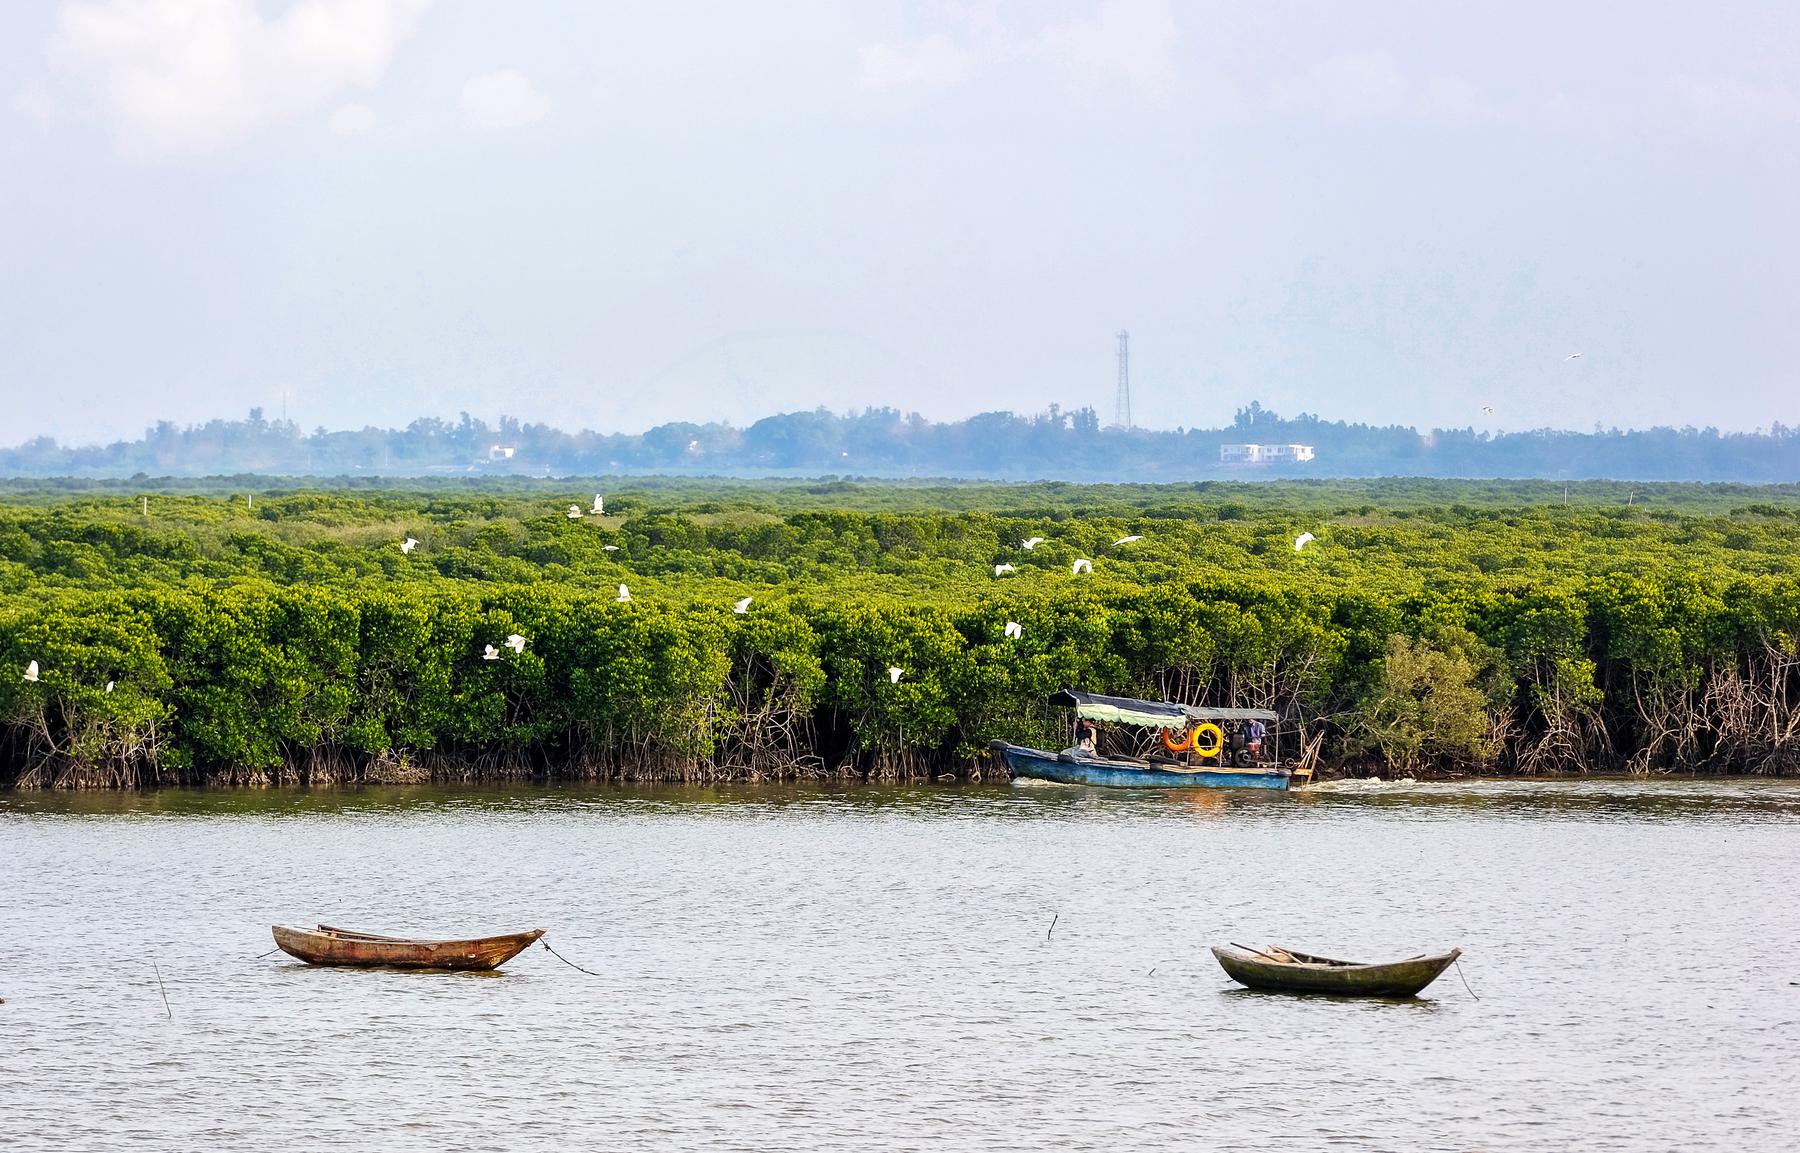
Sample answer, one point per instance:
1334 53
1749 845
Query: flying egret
109 685
1003 569
599 505
516 643
1300 541
1573 356
1487 410
1081 566
624 594
894 674
1014 629
408 545
490 653
31 671
742 606
1032 543
574 512
1127 540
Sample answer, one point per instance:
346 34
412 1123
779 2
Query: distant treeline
285 636
884 442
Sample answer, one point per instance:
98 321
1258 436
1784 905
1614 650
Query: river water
875 968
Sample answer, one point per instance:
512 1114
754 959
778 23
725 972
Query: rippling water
870 968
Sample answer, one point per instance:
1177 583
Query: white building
501 452
1264 453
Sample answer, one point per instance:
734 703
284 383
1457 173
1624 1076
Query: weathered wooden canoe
329 946
1291 972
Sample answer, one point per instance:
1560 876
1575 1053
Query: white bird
1032 543
894 674
1300 541
31 671
408 545
609 548
1003 569
1573 356
1127 540
109 685
1014 629
742 606
1081 566
574 512
599 505
490 653
1487 410
624 594
516 643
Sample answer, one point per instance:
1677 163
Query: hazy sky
612 215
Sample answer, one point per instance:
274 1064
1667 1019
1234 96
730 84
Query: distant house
1264 453
501 452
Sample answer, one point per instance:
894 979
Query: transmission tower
1122 402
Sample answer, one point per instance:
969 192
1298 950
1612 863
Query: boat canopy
1153 714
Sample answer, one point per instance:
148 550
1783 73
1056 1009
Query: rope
1465 980
565 960
270 953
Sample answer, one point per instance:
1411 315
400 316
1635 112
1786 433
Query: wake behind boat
1205 748
329 946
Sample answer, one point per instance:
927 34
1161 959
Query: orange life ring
1179 744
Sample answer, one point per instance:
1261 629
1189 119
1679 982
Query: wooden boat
330 946
1290 972
1220 767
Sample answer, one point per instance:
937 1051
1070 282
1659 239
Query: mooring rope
270 953
1465 980
565 960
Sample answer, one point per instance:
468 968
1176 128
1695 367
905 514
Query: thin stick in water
1052 927
165 992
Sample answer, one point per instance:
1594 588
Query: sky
610 216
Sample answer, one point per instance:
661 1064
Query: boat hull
1393 979
1037 764
327 946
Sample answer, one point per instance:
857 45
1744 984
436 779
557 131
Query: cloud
1727 100
1372 86
1131 39
191 76
934 62
353 120
501 100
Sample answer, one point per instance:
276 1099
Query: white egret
742 606
490 653
1127 540
1487 410
1300 541
1014 629
609 548
408 545
624 594
599 505
31 671
574 512
1003 569
894 674
109 685
516 643
1573 356
1032 543
1081 566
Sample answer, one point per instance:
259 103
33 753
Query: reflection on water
844 967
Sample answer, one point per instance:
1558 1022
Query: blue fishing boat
1200 748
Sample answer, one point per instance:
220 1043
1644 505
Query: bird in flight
599 505
574 512
742 606
1127 540
1014 629
490 653
1300 541
408 545
624 594
516 643
1081 566
1573 356
31 671
1487 410
1003 569
1032 543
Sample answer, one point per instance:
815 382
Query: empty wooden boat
331 946
1292 972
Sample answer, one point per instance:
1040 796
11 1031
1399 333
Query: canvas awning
1153 714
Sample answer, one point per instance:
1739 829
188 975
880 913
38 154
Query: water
870 969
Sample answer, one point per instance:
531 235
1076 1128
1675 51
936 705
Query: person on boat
1087 738
1254 732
